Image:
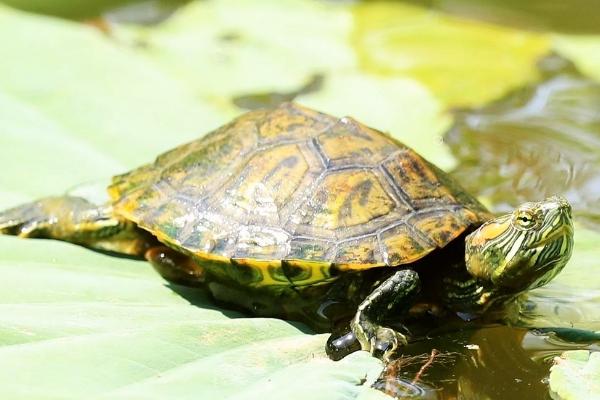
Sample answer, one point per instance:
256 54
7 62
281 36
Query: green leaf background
78 105
575 375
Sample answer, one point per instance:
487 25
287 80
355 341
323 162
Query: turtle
292 213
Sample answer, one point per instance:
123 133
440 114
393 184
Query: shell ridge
383 249
313 144
304 199
397 190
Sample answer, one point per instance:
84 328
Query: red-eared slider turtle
296 214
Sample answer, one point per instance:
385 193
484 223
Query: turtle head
524 249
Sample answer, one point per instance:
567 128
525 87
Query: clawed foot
386 342
339 346
382 342
390 299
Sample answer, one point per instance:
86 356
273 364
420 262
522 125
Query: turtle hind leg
76 220
175 267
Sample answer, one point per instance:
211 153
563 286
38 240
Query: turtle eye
525 219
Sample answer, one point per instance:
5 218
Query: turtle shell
295 193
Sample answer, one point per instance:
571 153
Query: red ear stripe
488 231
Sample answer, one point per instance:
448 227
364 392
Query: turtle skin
294 197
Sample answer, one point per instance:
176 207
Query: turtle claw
339 346
386 342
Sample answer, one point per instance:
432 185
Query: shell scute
263 186
441 228
346 199
350 143
193 168
251 273
261 242
291 122
403 246
412 176
309 249
366 249
303 272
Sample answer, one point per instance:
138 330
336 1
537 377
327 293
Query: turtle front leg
394 296
76 220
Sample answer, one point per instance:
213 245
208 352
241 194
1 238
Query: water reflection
537 141
561 305
494 362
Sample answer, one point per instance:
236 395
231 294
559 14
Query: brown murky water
495 362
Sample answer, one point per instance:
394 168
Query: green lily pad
75 323
462 61
228 50
223 49
75 107
583 50
576 376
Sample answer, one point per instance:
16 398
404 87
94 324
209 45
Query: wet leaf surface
576 376
75 323
272 99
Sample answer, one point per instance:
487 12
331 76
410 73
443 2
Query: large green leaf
79 324
576 376
464 62
398 79
77 106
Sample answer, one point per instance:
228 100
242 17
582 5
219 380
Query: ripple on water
537 141
486 362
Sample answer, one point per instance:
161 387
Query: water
495 362
537 141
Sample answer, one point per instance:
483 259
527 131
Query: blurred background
502 94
